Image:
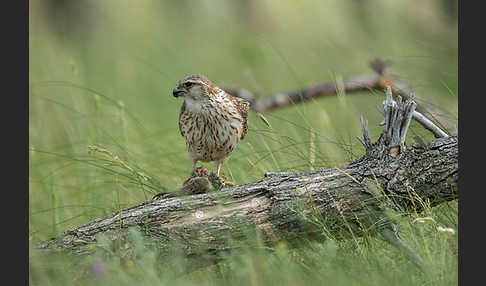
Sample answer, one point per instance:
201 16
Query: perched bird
211 121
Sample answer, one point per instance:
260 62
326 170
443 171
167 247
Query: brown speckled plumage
211 121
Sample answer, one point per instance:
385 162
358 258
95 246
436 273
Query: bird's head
194 87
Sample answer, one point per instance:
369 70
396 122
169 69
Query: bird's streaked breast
212 129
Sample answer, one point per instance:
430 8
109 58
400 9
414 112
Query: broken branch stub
398 115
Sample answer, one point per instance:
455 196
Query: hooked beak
177 92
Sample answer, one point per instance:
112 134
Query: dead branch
269 103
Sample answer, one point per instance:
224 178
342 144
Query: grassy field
101 75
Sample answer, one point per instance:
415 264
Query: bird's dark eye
188 84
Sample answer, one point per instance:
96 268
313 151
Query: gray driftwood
288 206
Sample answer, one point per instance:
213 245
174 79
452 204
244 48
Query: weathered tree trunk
284 206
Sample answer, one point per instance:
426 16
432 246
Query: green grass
107 82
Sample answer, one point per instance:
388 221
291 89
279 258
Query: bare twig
365 132
429 125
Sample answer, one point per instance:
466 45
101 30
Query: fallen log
288 206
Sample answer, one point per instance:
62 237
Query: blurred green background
101 74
